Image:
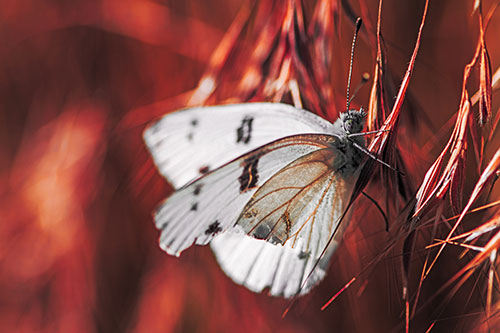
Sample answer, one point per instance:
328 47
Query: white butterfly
265 184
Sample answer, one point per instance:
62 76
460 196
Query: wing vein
296 234
253 203
285 203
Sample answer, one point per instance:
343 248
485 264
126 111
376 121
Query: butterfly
265 184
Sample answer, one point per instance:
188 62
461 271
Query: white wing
294 213
258 264
188 143
213 203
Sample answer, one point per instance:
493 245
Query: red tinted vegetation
79 80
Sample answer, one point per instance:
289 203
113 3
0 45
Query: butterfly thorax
350 122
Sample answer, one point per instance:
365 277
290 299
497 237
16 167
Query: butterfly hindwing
294 214
191 142
268 215
212 204
258 264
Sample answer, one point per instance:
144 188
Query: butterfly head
352 121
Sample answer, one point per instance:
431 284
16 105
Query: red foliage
80 79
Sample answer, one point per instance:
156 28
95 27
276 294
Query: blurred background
79 81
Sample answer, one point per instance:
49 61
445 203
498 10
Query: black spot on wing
204 169
194 123
154 128
197 189
163 225
194 207
250 175
213 228
262 231
276 240
244 132
288 223
304 255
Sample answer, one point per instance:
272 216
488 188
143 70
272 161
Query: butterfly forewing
213 203
189 143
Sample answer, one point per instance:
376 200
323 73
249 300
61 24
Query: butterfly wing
188 143
257 264
291 218
213 203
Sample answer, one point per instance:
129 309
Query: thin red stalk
376 104
484 75
488 173
390 122
422 275
433 182
493 257
338 293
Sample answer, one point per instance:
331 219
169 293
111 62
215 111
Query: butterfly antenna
358 26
